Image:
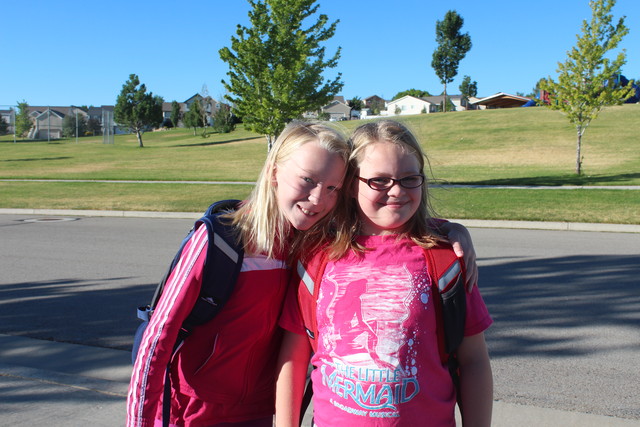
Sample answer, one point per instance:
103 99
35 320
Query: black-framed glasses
384 183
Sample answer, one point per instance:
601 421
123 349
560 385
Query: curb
470 223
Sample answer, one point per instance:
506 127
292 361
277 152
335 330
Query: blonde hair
262 227
349 226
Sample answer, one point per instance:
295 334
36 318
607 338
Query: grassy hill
510 147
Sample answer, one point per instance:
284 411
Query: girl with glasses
377 360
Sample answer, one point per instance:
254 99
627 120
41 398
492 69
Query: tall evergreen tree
193 117
276 65
452 48
468 88
23 121
4 126
176 113
74 124
586 80
137 109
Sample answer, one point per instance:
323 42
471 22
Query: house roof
412 97
439 98
502 100
35 111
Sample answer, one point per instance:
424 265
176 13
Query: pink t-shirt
377 359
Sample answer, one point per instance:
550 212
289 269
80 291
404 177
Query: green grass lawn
512 147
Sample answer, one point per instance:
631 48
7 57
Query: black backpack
221 269
219 275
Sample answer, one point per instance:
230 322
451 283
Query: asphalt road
566 304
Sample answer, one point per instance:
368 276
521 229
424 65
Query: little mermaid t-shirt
377 361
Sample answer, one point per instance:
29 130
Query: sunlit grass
510 147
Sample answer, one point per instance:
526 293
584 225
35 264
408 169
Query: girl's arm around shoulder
291 375
460 238
476 381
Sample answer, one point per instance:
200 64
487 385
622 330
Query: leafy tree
468 88
94 126
586 79
223 120
535 92
23 121
69 125
193 117
4 126
276 65
412 92
137 109
355 103
452 47
376 106
176 113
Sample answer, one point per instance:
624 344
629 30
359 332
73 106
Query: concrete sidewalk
60 384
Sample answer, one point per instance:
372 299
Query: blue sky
81 52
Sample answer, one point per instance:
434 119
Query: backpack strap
447 273
221 270
219 275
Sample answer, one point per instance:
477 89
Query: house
374 104
47 121
337 110
104 115
409 105
459 102
502 100
9 118
167 108
211 106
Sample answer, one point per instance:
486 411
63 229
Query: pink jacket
226 368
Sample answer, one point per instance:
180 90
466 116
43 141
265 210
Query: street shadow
543 306
540 306
99 312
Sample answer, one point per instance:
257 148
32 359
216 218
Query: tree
355 103
452 47
193 117
276 65
23 121
376 106
412 92
468 88
94 126
535 92
586 79
223 120
74 124
176 113
4 126
137 109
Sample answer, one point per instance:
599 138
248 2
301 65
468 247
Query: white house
408 105
430 104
